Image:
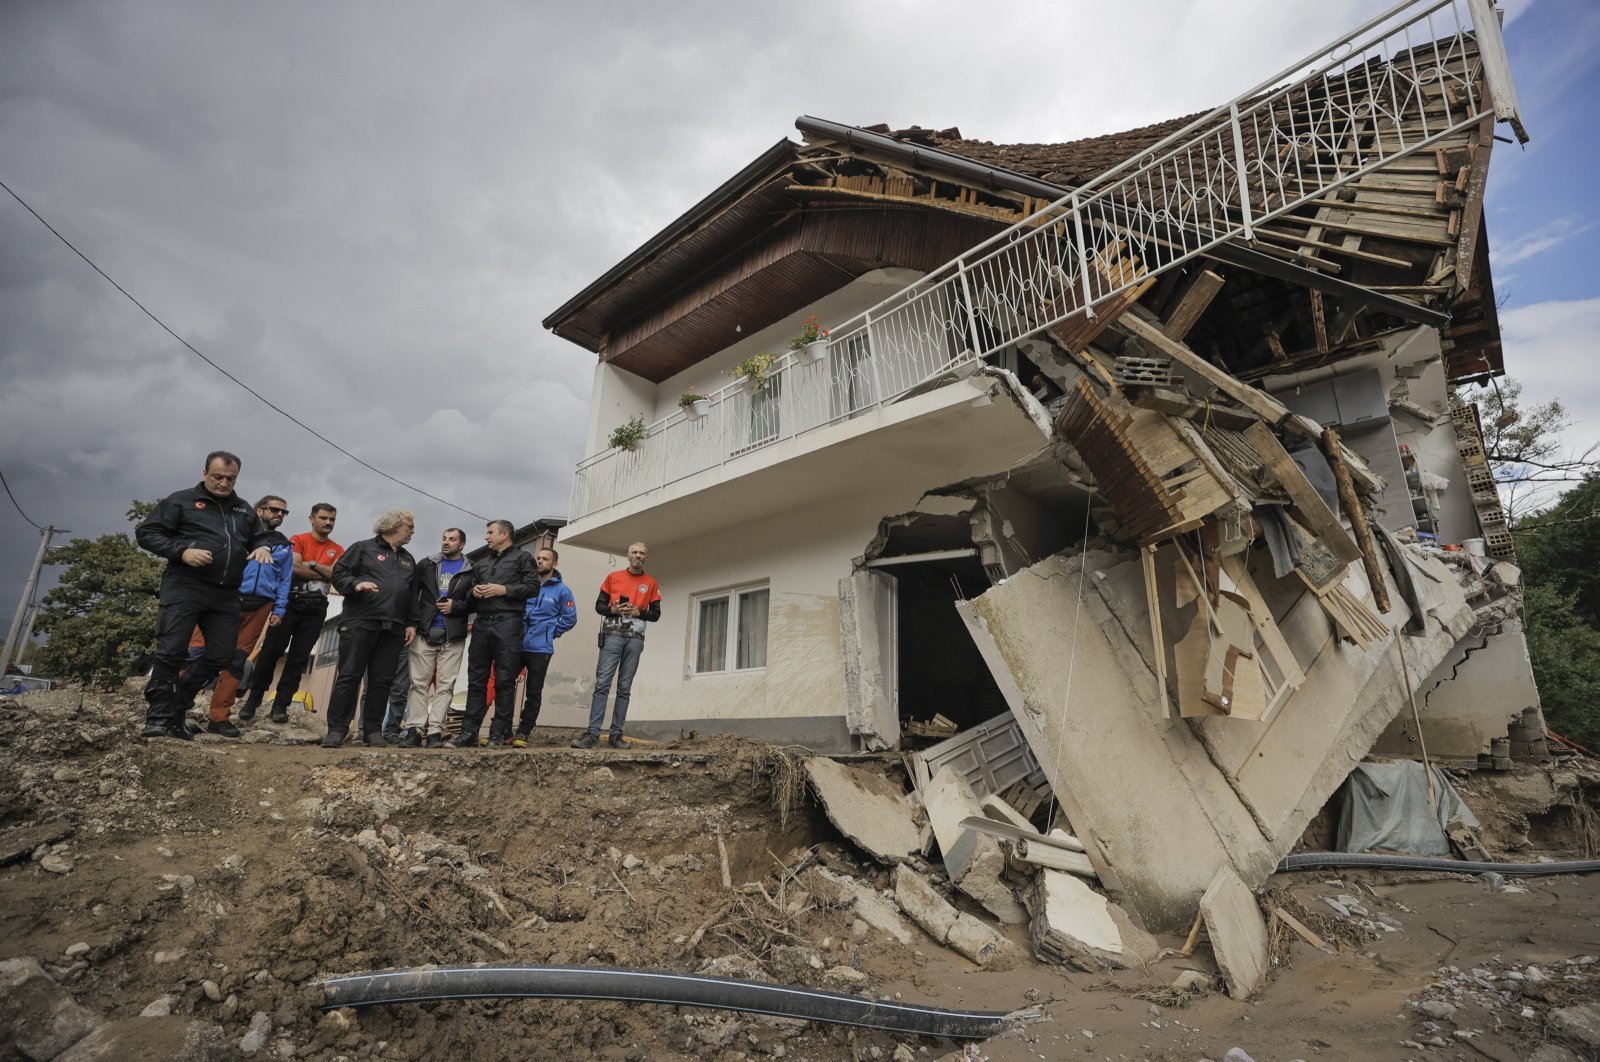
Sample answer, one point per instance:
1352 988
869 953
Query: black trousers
537 664
186 604
370 653
497 642
297 635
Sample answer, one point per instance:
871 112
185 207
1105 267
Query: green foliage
101 615
1558 548
1565 650
628 435
757 369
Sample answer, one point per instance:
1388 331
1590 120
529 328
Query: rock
37 1015
1579 1025
1436 1009
168 1039
870 906
229 1008
166 958
77 949
902 1053
736 967
55 864
843 978
858 930
212 990
1553 1053
159 1007
1237 1054
255 1038
1192 981
631 862
795 965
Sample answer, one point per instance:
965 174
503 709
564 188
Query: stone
37 1015
843 978
972 859
166 958
229 1007
159 1007
1579 1025
1553 1053
1237 1054
1437 1009
167 1039
631 862
255 1038
869 905
1192 981
55 864
212 991
75 950
902 1053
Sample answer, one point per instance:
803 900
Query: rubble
873 812
977 941
1237 931
972 859
1074 924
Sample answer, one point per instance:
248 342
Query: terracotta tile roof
1074 162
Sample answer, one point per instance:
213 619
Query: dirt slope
213 882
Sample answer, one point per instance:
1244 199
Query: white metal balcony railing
1392 87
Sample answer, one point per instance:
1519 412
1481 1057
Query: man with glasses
315 553
378 580
206 534
263 595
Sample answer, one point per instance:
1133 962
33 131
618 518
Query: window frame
324 658
734 595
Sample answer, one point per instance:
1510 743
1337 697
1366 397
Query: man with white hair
376 577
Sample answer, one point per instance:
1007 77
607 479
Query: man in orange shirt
315 553
628 600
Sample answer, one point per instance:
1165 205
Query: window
730 631
327 651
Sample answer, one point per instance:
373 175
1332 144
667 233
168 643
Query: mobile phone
622 600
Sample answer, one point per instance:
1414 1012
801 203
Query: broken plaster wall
1472 697
1160 802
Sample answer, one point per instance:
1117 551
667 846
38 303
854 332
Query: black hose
1309 860
488 981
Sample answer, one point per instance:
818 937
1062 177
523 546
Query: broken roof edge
729 191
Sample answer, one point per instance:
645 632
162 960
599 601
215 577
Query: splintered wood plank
1308 504
1193 303
1358 517
1319 320
1152 596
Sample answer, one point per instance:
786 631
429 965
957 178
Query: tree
1523 446
101 616
1565 651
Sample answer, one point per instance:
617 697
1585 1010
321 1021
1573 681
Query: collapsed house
1131 463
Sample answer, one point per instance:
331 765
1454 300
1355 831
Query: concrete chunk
866 807
1238 933
869 905
38 1016
981 943
1075 925
972 859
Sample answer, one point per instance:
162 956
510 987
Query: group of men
233 580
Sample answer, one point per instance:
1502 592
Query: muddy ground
209 884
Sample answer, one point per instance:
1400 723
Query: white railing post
1248 230
872 361
972 309
1083 257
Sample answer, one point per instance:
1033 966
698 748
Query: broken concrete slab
981 943
1238 933
869 809
38 1016
972 859
871 906
1030 846
1074 925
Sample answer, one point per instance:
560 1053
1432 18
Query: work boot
519 740
160 728
412 740
373 739
497 738
392 736
247 710
225 728
333 739
279 714
434 741
614 741
467 739
586 741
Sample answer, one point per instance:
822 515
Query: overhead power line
18 504
256 394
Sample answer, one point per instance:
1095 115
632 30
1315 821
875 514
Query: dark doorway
940 670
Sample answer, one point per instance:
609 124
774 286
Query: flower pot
815 351
753 384
696 410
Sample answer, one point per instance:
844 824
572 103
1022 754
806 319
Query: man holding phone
628 600
434 655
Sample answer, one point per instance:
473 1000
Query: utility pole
27 596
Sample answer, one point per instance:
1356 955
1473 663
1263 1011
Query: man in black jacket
443 586
501 584
206 534
378 580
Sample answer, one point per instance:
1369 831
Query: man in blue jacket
206 534
263 596
549 613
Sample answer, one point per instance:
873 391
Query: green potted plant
629 435
755 371
694 404
812 342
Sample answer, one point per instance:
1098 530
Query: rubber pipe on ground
1319 860
427 983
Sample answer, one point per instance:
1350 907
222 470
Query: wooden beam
1358 517
1319 321
1318 518
1202 289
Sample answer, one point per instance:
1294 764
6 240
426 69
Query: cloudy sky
363 210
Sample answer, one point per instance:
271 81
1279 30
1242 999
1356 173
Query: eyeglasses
274 509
